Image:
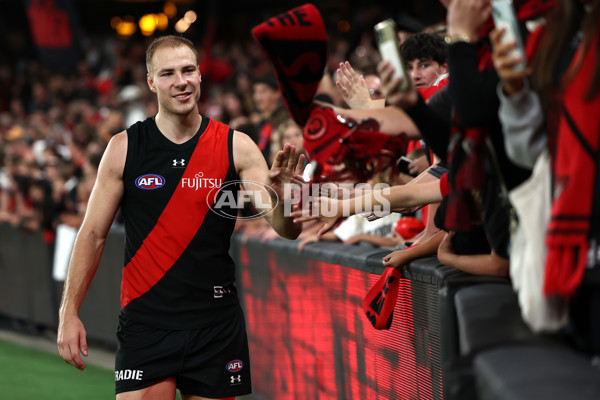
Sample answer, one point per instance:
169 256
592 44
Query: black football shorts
208 362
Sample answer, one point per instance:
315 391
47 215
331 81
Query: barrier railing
309 337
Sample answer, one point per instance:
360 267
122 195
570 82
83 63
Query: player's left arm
271 190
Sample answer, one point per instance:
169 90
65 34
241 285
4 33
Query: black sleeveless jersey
178 273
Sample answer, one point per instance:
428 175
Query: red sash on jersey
181 218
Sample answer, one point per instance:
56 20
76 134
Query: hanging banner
52 25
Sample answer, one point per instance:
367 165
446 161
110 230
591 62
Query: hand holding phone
403 164
504 17
387 42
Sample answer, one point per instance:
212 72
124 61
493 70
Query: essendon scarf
333 140
381 299
576 170
296 43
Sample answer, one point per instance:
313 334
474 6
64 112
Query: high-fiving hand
286 169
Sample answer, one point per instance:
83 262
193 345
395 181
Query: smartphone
504 16
387 42
403 163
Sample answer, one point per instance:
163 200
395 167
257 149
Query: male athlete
180 324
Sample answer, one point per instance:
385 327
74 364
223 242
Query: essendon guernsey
178 273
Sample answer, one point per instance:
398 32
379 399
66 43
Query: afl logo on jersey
235 365
150 181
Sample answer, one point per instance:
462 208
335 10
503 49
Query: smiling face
175 78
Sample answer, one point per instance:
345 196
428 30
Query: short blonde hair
167 41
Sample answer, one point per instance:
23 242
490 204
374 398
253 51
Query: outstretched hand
353 87
286 170
323 209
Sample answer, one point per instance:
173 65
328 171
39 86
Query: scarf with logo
296 44
574 223
380 301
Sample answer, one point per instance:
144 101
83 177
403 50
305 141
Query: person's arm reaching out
329 211
253 171
429 247
354 90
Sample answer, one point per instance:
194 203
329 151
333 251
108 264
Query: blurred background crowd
72 74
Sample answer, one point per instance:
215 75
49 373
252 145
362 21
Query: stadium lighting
162 21
181 26
148 24
190 17
170 9
127 27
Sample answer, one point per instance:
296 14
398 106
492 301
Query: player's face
175 79
424 73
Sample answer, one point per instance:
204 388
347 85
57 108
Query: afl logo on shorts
235 366
150 182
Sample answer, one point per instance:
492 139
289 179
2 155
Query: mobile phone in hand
387 42
504 16
403 163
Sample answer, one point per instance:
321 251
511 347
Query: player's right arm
89 244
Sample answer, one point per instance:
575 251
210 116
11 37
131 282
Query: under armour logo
179 163
219 291
235 379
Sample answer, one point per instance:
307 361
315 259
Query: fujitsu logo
199 182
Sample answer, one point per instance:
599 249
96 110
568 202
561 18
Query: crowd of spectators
54 127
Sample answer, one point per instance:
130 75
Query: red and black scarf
574 223
466 161
296 44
